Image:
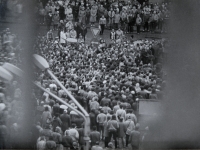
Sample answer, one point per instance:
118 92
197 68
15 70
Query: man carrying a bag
129 127
112 127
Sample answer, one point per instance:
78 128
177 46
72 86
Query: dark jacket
56 122
67 141
61 12
75 10
83 31
95 137
56 109
81 135
46 132
50 145
93 119
121 131
77 28
113 123
66 122
48 19
135 138
57 137
105 101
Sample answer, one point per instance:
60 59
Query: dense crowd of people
11 8
107 13
10 47
10 51
107 79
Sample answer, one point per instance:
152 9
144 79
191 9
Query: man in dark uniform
77 28
76 11
83 31
61 12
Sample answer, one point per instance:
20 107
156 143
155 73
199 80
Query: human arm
97 118
77 135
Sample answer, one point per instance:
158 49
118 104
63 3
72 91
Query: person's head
110 145
93 111
46 108
73 125
137 126
113 117
94 128
42 138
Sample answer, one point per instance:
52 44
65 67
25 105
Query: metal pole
60 100
87 121
73 99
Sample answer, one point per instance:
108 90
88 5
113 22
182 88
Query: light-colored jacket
129 126
117 18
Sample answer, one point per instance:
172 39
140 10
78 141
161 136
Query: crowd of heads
10 47
107 79
102 76
118 14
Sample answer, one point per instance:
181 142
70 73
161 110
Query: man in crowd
94 136
83 31
134 138
111 15
101 118
102 23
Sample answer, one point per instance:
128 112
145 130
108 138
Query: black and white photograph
99 74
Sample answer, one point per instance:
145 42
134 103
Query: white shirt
62 37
